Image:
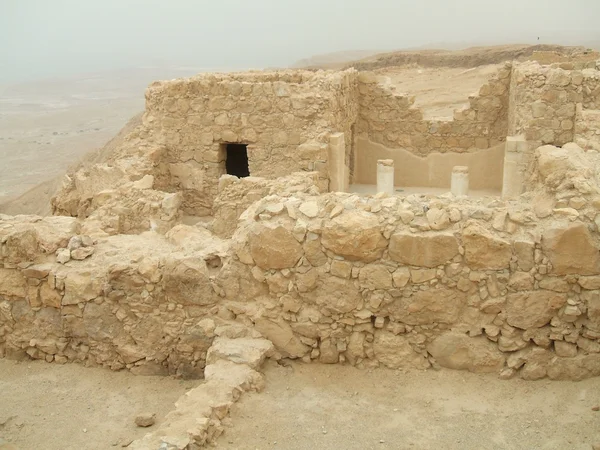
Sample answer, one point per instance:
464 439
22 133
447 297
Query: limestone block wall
390 127
543 100
587 128
554 105
591 87
137 302
285 118
236 195
407 282
381 282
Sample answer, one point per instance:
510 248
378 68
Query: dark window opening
236 162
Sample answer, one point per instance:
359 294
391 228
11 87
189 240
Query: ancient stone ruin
263 214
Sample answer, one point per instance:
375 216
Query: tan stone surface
426 250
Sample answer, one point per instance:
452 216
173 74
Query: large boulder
282 336
272 246
430 306
336 295
533 309
12 283
483 250
571 250
458 351
395 352
355 235
186 281
426 250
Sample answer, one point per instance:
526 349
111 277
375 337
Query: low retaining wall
404 283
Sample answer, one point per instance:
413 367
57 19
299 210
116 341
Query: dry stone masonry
122 277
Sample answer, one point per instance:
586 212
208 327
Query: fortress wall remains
391 128
407 282
285 118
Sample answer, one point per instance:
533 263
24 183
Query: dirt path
70 407
339 407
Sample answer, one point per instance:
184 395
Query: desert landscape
311 304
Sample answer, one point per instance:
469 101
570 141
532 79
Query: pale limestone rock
555 284
75 242
425 250
146 182
571 249
430 306
438 219
282 336
356 347
532 309
82 253
49 296
12 283
274 247
483 250
375 276
38 271
145 420
329 353
341 269
401 277
395 352
355 235
186 282
251 352
565 349
63 256
458 351
418 276
524 251
337 295
593 310
81 286
591 282
313 252
234 375
309 209
575 368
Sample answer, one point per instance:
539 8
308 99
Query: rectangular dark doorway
236 162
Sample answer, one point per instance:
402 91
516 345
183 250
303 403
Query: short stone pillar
385 176
516 148
459 184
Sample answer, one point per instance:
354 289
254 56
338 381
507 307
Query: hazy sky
43 38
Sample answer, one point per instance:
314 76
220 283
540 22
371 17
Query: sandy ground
70 407
439 91
339 407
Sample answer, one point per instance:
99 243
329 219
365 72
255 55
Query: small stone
275 208
596 408
74 243
81 253
145 420
63 256
309 209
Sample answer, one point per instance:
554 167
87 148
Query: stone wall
542 103
387 118
482 285
554 105
285 118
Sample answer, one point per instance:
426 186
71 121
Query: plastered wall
391 127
